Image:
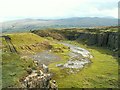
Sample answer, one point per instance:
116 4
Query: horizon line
40 18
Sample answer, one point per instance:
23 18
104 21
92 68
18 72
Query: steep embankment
29 43
26 43
9 44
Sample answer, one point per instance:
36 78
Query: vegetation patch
102 73
13 69
29 43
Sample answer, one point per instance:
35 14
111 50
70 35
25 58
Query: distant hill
33 24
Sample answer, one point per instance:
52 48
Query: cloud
13 9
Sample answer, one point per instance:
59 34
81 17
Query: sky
57 9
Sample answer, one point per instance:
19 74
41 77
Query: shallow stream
79 57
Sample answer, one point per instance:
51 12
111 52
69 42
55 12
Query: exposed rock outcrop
107 39
40 78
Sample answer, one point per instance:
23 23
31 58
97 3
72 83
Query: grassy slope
24 42
27 43
102 73
13 68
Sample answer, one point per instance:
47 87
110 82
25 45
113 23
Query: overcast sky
55 9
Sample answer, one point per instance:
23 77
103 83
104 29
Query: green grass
13 69
25 42
59 48
29 43
102 73
25 38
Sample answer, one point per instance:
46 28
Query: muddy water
45 57
79 57
78 50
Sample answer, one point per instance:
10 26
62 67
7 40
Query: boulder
45 68
59 65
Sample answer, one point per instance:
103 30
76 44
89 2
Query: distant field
27 25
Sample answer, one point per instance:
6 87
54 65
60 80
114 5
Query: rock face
109 40
40 78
